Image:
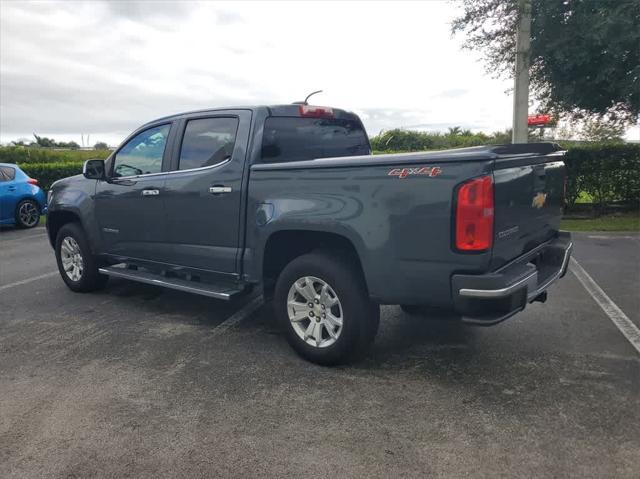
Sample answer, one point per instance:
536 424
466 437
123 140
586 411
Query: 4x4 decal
421 171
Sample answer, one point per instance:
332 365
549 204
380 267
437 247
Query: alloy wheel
315 311
28 214
71 256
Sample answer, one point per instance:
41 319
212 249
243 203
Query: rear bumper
490 298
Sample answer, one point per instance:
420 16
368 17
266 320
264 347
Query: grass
584 197
604 223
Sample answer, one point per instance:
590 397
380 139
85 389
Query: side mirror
94 169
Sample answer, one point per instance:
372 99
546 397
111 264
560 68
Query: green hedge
410 140
607 172
47 173
21 155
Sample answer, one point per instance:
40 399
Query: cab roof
271 110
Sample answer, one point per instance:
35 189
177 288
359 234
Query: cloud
106 67
148 11
454 93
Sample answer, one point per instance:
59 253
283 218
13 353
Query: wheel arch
283 246
57 219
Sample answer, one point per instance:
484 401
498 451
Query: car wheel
77 266
322 304
27 214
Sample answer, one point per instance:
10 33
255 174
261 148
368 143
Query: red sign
538 120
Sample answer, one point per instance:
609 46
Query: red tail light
474 215
316 111
32 181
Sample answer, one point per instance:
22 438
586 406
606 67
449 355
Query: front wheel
77 266
322 304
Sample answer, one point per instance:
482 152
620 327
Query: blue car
22 201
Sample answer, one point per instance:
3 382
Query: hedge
47 173
22 155
607 172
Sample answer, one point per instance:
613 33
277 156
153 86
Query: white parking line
28 280
243 313
12 240
608 237
617 316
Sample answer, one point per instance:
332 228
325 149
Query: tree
101 145
21 142
603 131
453 131
44 142
585 54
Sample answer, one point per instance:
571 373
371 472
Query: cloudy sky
103 68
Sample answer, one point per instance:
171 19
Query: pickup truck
290 200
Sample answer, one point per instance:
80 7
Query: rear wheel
27 214
77 266
322 304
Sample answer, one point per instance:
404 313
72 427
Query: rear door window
295 139
207 142
7 173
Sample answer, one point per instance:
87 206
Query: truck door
129 206
203 191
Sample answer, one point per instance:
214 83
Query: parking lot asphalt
137 381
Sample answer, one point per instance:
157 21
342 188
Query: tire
27 214
72 248
345 298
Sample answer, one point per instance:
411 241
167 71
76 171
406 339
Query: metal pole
521 85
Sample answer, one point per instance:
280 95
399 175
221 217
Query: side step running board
224 291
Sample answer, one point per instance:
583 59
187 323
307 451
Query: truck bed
398 211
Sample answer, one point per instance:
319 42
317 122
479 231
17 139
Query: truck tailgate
529 193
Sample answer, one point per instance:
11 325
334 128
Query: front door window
142 154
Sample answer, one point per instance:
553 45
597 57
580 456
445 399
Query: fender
68 197
315 214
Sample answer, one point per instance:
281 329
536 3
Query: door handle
150 192
216 190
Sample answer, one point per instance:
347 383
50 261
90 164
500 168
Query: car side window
297 139
207 142
142 154
7 173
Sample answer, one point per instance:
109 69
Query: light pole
521 82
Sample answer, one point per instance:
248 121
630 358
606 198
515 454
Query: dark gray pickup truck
289 198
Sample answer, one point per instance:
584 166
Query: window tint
7 173
207 141
295 139
143 153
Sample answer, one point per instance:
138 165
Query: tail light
474 215
32 181
316 111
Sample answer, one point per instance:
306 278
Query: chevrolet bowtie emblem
538 200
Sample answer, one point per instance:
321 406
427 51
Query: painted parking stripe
617 316
243 313
608 237
11 240
28 280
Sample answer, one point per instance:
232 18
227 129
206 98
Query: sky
103 68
